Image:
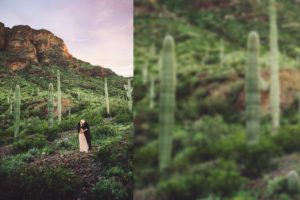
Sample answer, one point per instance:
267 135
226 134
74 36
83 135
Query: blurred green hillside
210 159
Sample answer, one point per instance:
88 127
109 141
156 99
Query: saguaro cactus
151 92
129 90
38 91
59 107
17 110
253 89
106 97
50 106
167 101
274 64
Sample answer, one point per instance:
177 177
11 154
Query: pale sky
96 31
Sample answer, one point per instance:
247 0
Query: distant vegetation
235 103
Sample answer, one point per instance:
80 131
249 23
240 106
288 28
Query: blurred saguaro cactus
167 101
50 105
17 110
274 65
253 89
106 96
59 107
129 90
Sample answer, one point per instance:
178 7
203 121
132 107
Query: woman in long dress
83 145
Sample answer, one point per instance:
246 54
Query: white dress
83 145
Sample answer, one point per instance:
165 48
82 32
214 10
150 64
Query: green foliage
13 162
253 90
123 116
146 165
257 158
222 178
36 183
110 189
28 142
105 130
274 186
114 152
288 138
17 110
167 101
106 96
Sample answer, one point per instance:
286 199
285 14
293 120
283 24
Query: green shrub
288 138
110 189
113 153
104 130
36 183
123 116
65 143
29 142
11 163
257 158
221 178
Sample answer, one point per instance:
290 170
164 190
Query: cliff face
25 46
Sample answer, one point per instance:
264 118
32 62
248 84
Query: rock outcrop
25 46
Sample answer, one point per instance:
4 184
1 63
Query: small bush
221 178
257 159
110 189
123 116
104 130
29 142
113 153
36 183
288 138
11 163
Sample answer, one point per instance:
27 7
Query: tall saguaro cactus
167 101
59 107
253 89
17 110
50 106
151 92
274 64
129 90
106 96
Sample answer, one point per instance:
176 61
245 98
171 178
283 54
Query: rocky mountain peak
25 46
